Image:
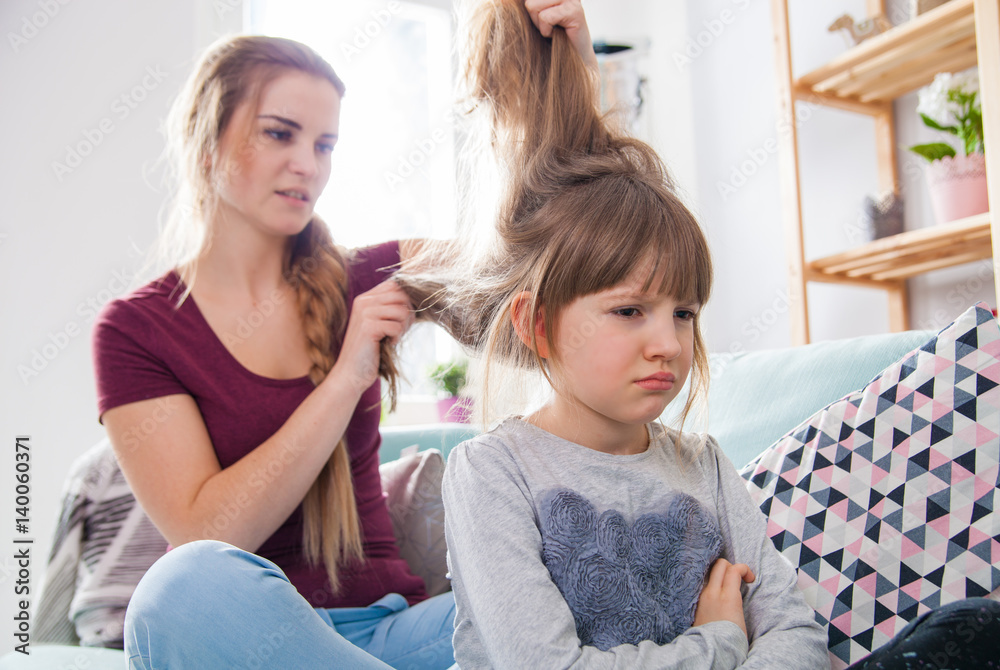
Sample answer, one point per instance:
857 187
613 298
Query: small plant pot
957 187
454 409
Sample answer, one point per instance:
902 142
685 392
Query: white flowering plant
951 104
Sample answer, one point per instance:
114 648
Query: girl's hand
720 598
569 15
382 312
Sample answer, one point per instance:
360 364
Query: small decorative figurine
862 30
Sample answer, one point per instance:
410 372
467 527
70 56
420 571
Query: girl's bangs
638 230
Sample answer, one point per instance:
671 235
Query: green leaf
450 377
976 123
934 151
931 123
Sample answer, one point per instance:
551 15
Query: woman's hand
721 599
566 13
382 312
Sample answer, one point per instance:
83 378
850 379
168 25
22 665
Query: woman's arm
421 254
176 475
510 612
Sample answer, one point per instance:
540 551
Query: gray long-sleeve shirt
562 556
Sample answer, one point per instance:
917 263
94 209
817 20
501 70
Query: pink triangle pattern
929 493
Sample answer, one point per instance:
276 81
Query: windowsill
412 410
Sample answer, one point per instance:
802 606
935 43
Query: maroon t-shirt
145 347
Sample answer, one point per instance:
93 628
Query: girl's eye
324 148
627 312
685 314
279 134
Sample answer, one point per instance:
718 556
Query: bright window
394 168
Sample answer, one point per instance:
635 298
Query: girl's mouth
660 381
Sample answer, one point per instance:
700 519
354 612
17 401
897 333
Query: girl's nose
663 341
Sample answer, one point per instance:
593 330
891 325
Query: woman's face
275 160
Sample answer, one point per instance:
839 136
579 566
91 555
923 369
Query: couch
771 412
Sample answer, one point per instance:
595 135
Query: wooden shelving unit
865 80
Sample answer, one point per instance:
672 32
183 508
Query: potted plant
450 378
957 180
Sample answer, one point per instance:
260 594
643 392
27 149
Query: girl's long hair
232 72
583 206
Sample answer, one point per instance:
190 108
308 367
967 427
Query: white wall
67 238
734 125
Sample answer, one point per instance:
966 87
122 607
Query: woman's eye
278 134
325 148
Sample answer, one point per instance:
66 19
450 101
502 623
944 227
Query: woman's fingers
385 302
535 8
566 13
381 313
548 13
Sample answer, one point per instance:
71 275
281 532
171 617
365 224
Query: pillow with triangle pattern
884 501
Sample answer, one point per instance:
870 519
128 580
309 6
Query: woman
240 390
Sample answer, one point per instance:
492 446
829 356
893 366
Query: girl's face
621 355
276 159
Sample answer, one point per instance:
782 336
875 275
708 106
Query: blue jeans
207 604
962 635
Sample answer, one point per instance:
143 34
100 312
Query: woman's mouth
660 381
298 197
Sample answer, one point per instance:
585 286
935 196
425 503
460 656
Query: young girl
585 534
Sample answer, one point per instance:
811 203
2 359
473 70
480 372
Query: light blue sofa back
754 398
441 436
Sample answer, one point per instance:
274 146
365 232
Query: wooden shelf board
949 261
908 254
917 263
941 34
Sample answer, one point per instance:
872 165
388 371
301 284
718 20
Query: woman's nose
303 161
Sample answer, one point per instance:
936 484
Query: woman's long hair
583 206
235 71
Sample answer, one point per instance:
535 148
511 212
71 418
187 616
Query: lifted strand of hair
582 208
